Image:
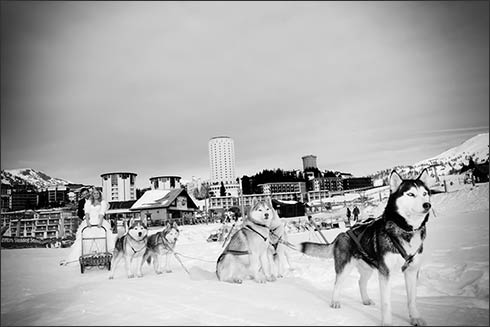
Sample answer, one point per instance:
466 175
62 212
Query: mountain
476 147
30 176
447 163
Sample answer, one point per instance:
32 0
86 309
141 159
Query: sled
94 249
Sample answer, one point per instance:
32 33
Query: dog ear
424 177
395 181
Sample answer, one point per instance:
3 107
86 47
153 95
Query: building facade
283 187
222 164
353 183
118 186
42 224
162 206
326 184
165 182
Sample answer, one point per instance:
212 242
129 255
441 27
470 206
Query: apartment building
283 187
42 224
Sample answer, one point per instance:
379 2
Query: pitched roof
159 199
120 206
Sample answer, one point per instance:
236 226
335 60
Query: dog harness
131 246
369 260
240 252
408 258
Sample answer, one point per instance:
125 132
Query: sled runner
94 248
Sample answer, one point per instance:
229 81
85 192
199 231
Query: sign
12 242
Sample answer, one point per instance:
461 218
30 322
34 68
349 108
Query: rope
189 257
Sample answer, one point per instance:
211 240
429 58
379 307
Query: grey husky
246 254
161 244
384 244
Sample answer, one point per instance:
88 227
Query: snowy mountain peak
30 176
475 147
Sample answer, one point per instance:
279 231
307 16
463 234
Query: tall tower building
222 164
309 161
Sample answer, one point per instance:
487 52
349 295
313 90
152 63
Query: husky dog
132 245
278 256
395 239
246 253
160 244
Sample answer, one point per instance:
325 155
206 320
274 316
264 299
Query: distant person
355 212
84 195
348 214
95 209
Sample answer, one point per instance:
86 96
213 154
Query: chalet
161 206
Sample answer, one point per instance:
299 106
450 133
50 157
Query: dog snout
426 205
266 215
139 234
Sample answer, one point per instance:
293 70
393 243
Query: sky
94 87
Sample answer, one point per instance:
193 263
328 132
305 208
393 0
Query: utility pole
240 189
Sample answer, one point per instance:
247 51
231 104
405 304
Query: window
114 180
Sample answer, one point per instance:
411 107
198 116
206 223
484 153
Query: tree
222 189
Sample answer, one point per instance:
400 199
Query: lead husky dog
393 240
246 253
161 244
278 255
131 246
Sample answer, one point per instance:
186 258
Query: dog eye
411 194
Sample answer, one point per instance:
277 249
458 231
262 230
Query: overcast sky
95 87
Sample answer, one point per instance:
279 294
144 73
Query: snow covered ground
452 289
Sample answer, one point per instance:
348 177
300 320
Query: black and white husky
131 246
385 244
161 244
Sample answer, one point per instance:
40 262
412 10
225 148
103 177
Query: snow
476 146
150 198
31 176
452 288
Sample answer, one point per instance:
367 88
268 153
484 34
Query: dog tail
148 259
319 250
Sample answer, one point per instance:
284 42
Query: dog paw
368 302
139 275
280 276
237 281
111 277
159 272
130 276
335 305
271 279
260 280
417 322
168 270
